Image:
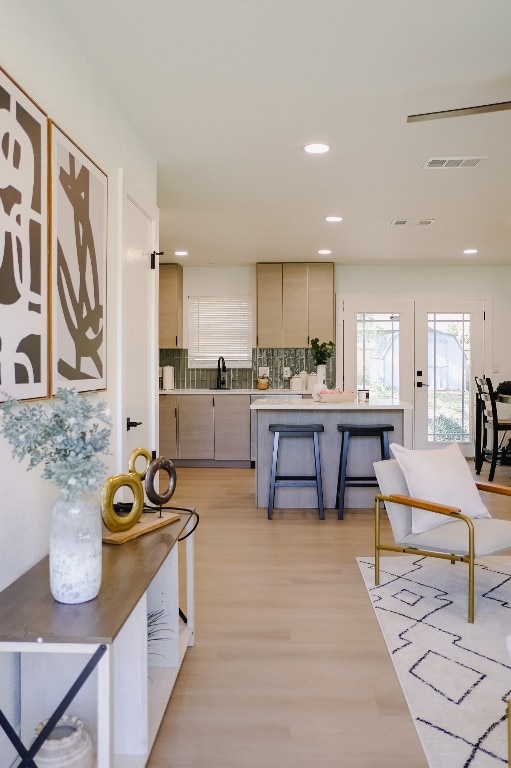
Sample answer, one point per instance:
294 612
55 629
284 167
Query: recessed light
324 252
333 218
316 149
180 253
469 251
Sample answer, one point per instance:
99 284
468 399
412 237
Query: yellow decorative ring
152 471
113 521
133 458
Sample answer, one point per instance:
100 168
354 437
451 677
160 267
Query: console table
123 700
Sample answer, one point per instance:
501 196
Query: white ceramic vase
75 549
68 746
320 383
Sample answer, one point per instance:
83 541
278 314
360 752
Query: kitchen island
297 453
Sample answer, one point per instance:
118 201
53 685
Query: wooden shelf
124 700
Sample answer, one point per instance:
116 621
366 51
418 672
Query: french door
425 352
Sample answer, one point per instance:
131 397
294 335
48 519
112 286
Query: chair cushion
440 475
490 536
391 480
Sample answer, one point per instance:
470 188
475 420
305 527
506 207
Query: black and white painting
23 244
79 232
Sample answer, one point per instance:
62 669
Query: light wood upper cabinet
320 285
171 306
269 305
295 303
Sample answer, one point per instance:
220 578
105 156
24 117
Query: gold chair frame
440 509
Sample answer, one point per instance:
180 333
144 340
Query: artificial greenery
322 352
60 435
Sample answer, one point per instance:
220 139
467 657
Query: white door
449 353
139 326
418 351
378 341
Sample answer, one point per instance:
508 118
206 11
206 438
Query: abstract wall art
23 244
79 233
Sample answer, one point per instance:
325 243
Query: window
219 326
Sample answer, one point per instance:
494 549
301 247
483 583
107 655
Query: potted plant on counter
321 354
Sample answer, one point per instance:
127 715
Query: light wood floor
289 669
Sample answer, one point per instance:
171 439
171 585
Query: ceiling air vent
402 222
453 162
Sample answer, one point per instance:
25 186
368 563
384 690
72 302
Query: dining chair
458 532
491 427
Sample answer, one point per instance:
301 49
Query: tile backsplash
244 378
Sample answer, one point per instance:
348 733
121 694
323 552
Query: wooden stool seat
296 480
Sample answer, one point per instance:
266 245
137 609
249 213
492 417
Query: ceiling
226 93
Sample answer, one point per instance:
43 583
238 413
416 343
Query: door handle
130 423
421 384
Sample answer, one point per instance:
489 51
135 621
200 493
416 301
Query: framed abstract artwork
23 244
79 235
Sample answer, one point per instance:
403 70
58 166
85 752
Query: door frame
129 190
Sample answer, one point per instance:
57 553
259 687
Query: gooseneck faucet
220 369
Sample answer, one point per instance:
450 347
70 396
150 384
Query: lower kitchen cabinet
205 428
232 428
195 426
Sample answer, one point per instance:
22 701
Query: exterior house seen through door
425 352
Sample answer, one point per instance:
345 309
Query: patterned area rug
456 676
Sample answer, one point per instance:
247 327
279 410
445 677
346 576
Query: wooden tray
148 522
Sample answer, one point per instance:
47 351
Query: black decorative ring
152 472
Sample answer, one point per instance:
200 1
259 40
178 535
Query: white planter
75 549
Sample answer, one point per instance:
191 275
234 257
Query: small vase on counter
320 382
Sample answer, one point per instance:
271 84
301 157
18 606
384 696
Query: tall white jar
75 549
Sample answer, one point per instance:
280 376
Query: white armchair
453 535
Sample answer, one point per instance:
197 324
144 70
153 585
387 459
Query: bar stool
298 481
361 481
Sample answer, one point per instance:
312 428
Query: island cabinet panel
269 305
295 330
171 306
295 303
168 426
232 428
196 426
321 304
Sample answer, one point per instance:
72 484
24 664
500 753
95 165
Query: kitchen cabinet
195 427
168 426
205 428
171 306
232 427
295 303
269 304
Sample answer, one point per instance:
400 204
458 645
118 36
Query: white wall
37 52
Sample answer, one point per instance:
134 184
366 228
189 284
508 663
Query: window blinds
219 326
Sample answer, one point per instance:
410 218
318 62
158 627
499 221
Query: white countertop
260 392
281 404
